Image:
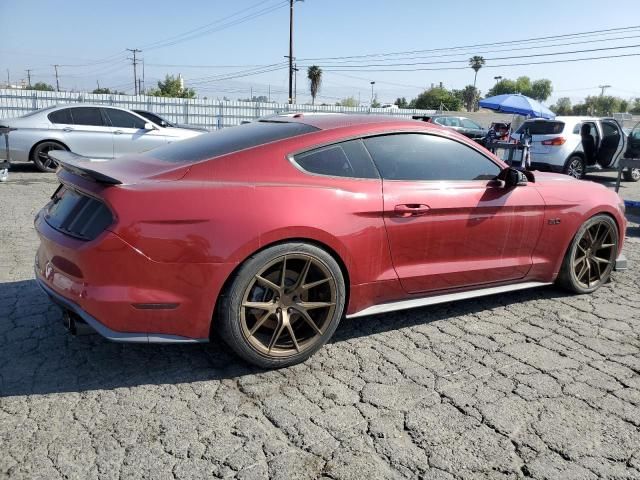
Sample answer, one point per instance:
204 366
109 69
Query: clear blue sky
39 33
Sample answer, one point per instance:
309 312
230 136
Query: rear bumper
106 332
123 294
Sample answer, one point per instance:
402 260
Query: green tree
402 102
171 87
502 87
476 62
45 87
541 89
469 97
347 102
624 106
107 91
314 74
375 103
562 106
635 106
435 98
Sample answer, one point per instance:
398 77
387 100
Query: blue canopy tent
517 104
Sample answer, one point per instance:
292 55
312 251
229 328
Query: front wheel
283 304
591 255
631 174
41 158
575 167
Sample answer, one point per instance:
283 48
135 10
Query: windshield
537 127
229 140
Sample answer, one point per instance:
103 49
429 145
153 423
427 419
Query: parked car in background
163 122
577 145
94 131
463 125
269 233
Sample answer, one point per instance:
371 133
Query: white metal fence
211 114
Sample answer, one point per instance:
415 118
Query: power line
135 63
567 60
621 47
527 40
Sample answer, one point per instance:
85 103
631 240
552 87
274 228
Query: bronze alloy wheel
594 254
288 305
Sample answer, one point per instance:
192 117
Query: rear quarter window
542 128
346 159
229 140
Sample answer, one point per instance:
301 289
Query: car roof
329 122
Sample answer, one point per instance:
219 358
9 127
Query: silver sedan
94 131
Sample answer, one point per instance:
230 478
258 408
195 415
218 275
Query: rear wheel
283 305
575 167
631 174
40 156
591 255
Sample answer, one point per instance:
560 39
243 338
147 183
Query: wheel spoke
283 279
267 283
259 323
578 261
312 305
276 335
606 245
303 275
258 305
600 260
293 337
307 318
584 269
309 286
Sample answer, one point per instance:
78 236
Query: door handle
67 129
411 210
118 132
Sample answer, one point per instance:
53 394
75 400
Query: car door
613 143
449 225
88 134
129 133
633 143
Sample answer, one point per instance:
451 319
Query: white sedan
94 131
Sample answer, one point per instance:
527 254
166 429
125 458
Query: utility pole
603 88
295 83
269 94
372 84
135 63
144 87
8 79
28 77
291 51
57 79
497 78
98 83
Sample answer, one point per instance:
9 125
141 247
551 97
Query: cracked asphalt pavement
532 384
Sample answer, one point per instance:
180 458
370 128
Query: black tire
40 158
248 287
631 174
570 273
575 167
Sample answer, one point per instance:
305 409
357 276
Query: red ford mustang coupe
268 233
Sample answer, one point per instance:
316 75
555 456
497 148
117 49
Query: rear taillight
555 141
77 215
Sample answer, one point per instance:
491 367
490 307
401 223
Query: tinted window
428 157
87 116
154 118
346 159
454 122
229 140
538 127
60 116
576 129
609 130
122 119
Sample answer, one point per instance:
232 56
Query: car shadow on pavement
39 356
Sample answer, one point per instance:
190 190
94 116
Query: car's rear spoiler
83 166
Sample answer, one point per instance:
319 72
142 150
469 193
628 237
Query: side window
442 121
122 119
608 130
466 123
454 122
87 116
577 129
346 159
60 116
413 156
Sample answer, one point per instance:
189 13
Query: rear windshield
229 140
542 128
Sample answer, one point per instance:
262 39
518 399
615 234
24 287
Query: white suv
576 145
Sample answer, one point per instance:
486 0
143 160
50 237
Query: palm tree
314 74
476 62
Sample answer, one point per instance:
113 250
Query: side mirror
513 177
149 126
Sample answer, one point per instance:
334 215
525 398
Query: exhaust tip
75 325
